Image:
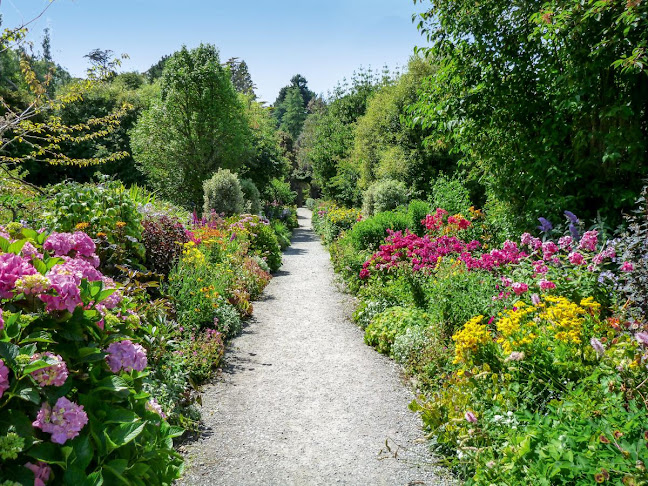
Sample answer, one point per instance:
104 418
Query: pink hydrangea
1 320
4 378
576 258
589 240
30 251
113 299
546 285
153 406
12 268
68 294
62 244
52 375
565 243
470 417
519 288
42 472
33 284
627 267
64 421
81 269
126 355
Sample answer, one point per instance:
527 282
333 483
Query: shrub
223 194
386 326
203 353
338 220
264 243
368 309
279 192
384 195
282 233
70 340
369 233
450 194
417 210
163 239
311 203
252 196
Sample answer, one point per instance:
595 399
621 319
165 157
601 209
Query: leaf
4 244
104 294
122 434
39 265
117 467
113 384
9 352
29 395
47 452
39 364
38 337
16 246
120 416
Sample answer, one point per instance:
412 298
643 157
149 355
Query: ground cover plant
530 357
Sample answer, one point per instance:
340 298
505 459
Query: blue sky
324 40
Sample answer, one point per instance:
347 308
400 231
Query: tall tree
295 113
195 126
241 78
296 82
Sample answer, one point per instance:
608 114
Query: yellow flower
468 339
120 224
82 226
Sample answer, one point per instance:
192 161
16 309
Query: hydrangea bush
72 405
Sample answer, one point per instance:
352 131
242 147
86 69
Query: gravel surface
302 400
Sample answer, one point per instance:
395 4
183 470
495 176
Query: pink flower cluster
52 375
62 244
508 254
153 406
12 268
4 378
126 355
42 472
589 240
434 222
64 421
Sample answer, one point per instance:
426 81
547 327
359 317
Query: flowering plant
72 405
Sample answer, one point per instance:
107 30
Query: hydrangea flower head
4 378
153 406
52 375
126 355
12 268
42 472
33 284
68 294
64 421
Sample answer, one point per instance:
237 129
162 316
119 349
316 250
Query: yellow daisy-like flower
120 224
82 226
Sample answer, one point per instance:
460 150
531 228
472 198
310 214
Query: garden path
301 399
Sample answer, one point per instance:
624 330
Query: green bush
386 326
417 210
384 195
279 192
370 233
311 203
348 261
450 194
264 244
282 232
223 194
252 196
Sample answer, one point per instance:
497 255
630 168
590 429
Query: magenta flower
519 288
507 282
576 258
535 299
546 285
1 320
52 375
64 421
30 251
62 244
589 240
565 243
470 417
68 295
642 338
127 356
627 267
4 378
12 268
42 472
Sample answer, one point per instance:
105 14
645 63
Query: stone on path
301 399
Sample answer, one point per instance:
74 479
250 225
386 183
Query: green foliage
194 127
416 212
251 195
279 192
282 233
545 102
295 113
223 194
264 244
384 196
370 233
389 324
297 84
450 194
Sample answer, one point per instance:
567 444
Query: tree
545 101
196 126
155 71
295 113
296 82
241 78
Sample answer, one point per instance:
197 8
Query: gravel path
302 400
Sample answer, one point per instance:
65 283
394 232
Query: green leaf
38 337
8 353
29 395
47 452
113 384
120 416
16 246
104 294
40 266
4 244
124 433
39 364
116 468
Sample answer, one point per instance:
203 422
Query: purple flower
64 243
55 374
64 421
573 229
68 295
589 240
12 268
127 356
545 225
30 251
4 378
642 338
42 472
535 299
598 346
153 406
470 417
571 217
33 284
515 356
